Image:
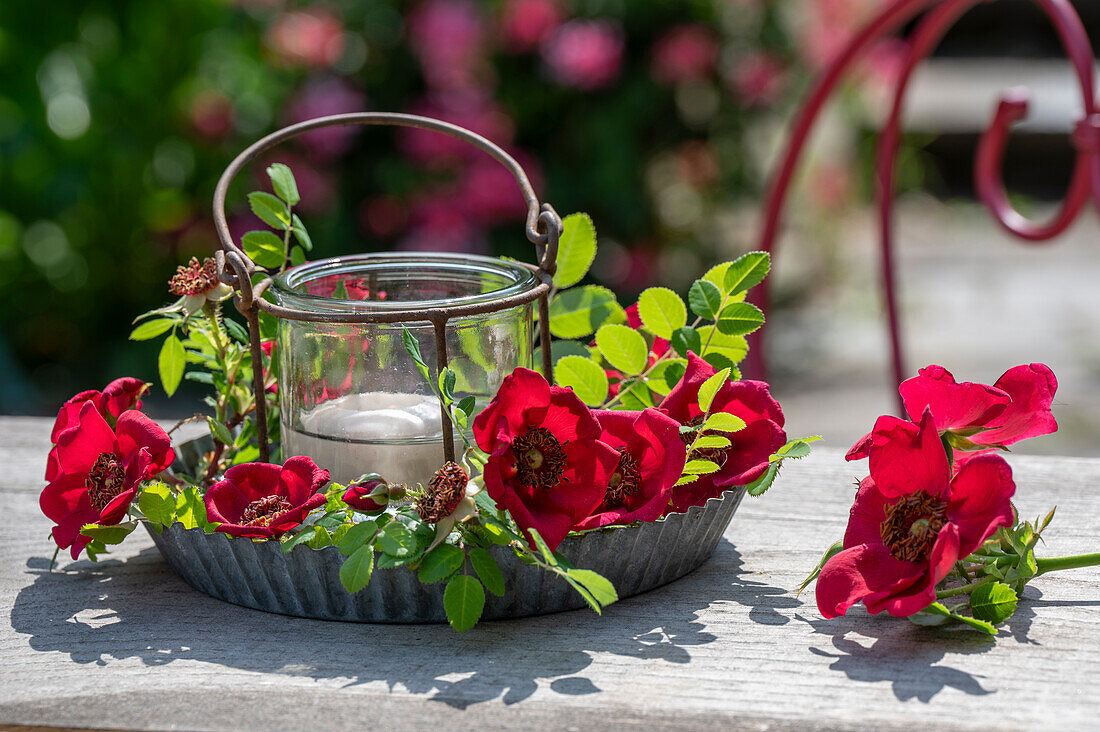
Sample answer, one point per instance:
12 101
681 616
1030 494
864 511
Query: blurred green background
117 117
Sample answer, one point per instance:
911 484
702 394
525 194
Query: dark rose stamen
106 479
911 526
446 488
194 279
625 481
540 461
263 511
716 455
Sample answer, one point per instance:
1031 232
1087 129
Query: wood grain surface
125 644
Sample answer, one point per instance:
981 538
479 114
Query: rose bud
370 494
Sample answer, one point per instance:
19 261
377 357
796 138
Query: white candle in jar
398 436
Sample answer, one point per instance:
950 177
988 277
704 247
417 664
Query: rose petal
136 431
903 463
302 478
81 446
955 406
521 391
858 572
1032 388
866 517
981 500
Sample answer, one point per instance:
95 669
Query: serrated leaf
440 563
686 480
270 209
723 422
171 363
740 318
700 467
157 503
464 599
794 449
356 536
487 570
623 347
994 603
584 376
760 486
733 348
710 387
282 180
561 349
579 312
191 510
938 609
396 539
108 534
237 331
746 272
151 329
219 431
710 442
302 537
356 570
635 395
662 311
263 248
686 339
576 249
666 374
705 299
540 544
301 234
412 347
297 256
467 404
601 588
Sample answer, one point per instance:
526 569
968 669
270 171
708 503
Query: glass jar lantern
351 397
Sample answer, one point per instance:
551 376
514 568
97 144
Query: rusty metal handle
543 225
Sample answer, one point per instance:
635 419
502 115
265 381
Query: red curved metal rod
987 168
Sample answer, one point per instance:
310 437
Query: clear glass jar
350 395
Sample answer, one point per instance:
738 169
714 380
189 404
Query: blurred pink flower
697 162
830 185
448 36
441 223
310 37
211 114
883 64
758 78
586 54
320 98
383 216
525 24
490 194
475 112
685 53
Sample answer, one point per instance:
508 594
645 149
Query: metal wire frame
236 269
989 181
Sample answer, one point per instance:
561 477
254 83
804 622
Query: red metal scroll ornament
929 30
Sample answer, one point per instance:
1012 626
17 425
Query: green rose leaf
710 442
396 540
301 234
264 248
662 311
937 609
705 299
723 422
488 570
623 347
578 312
994 603
151 329
219 431
270 209
700 467
464 599
584 376
740 318
710 387
666 374
171 363
746 272
109 534
576 250
733 348
302 537
600 587
687 339
356 570
359 535
759 486
157 503
440 563
191 510
282 180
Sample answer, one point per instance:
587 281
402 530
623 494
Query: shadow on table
113 610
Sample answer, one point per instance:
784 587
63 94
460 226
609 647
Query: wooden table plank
126 644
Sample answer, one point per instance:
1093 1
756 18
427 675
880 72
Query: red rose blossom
911 522
99 470
546 464
116 398
651 459
262 501
746 458
1015 408
370 496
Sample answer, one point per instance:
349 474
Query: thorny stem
1054 564
187 420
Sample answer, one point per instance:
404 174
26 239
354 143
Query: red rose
99 470
116 398
260 500
1015 408
746 458
546 464
651 459
911 522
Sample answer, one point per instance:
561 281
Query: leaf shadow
102 613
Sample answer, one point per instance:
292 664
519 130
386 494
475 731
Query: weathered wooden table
126 644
